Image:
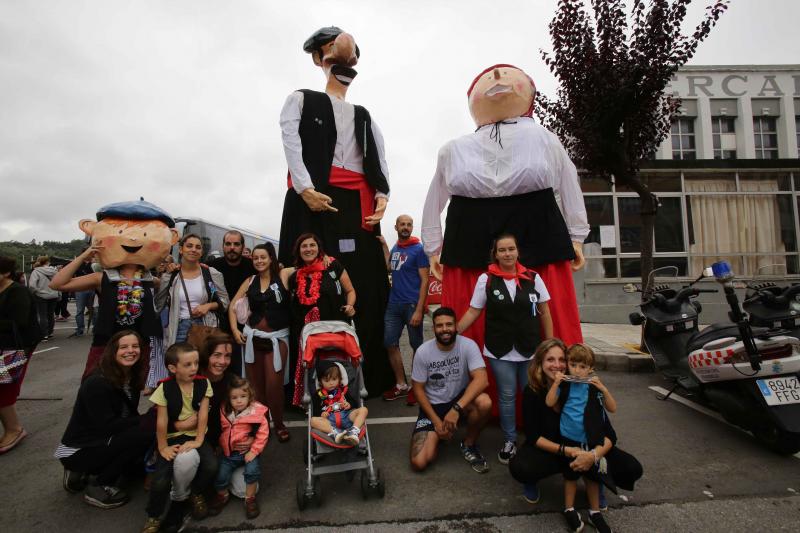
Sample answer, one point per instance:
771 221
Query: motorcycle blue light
722 271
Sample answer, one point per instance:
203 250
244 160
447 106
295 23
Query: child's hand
188 445
559 378
249 456
169 452
345 406
597 383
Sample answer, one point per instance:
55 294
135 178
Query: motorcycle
767 304
749 373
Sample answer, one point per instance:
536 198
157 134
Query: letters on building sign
736 85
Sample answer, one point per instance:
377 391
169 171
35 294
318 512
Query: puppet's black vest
318 135
511 324
172 392
147 324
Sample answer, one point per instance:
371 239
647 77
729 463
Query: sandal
22 434
283 434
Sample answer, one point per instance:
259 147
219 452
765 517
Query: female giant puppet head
500 92
131 233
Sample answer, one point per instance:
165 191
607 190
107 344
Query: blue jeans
183 328
511 377
83 301
395 318
252 470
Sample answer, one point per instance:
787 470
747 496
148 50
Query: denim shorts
340 419
396 317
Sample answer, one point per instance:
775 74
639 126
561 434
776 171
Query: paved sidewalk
616 347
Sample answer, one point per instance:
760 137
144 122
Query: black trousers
531 465
161 482
125 452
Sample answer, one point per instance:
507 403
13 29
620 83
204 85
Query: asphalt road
700 474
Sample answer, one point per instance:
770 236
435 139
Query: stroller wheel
365 484
302 498
380 485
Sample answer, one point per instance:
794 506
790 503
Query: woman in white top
517 320
204 286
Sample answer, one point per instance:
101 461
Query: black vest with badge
172 392
511 323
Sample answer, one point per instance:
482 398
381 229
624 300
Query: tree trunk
648 203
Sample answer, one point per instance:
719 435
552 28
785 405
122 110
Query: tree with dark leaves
611 111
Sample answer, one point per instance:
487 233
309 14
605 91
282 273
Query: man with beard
449 377
410 269
235 268
338 188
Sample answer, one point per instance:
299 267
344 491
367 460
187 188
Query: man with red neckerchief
410 270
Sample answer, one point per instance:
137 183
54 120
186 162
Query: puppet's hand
579 260
437 269
316 201
380 209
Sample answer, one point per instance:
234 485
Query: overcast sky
178 101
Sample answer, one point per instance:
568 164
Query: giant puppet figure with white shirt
504 178
338 188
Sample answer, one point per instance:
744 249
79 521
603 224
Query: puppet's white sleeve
378 136
292 145
569 189
438 195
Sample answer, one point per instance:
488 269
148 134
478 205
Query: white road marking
370 421
700 409
46 349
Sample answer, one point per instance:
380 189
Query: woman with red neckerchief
517 320
320 290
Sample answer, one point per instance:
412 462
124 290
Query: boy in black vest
182 402
582 399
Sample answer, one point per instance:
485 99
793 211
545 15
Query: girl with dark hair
105 436
321 290
517 318
193 294
266 332
19 334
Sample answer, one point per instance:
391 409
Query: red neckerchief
309 295
411 241
521 272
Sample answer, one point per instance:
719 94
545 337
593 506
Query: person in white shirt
338 188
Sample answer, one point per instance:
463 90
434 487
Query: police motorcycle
750 374
771 305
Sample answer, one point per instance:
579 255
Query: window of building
723 135
797 130
683 142
765 133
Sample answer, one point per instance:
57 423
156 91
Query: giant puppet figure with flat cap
338 188
128 239
503 178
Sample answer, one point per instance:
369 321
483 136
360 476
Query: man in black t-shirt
235 270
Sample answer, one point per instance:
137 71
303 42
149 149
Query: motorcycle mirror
630 288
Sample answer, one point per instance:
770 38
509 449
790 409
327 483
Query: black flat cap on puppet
135 210
322 37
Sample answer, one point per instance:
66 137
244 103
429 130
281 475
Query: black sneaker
74 481
599 523
474 457
176 518
508 451
574 521
105 496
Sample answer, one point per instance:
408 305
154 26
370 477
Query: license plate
783 390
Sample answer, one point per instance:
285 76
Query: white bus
212 235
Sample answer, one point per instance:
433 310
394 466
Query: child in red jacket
241 417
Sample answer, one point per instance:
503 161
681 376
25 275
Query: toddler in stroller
333 397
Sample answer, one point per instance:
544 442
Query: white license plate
783 390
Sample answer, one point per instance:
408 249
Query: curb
613 358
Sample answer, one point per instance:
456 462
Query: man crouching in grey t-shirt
449 377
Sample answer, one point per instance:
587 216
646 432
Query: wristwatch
457 408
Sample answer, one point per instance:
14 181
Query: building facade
728 181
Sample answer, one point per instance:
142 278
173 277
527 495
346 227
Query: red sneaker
410 399
394 393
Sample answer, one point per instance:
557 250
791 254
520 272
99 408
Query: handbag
12 362
198 333
242 306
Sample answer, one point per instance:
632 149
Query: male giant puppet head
131 233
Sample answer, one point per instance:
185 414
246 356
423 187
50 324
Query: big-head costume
338 188
133 236
503 178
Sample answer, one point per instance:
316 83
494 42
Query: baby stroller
336 341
